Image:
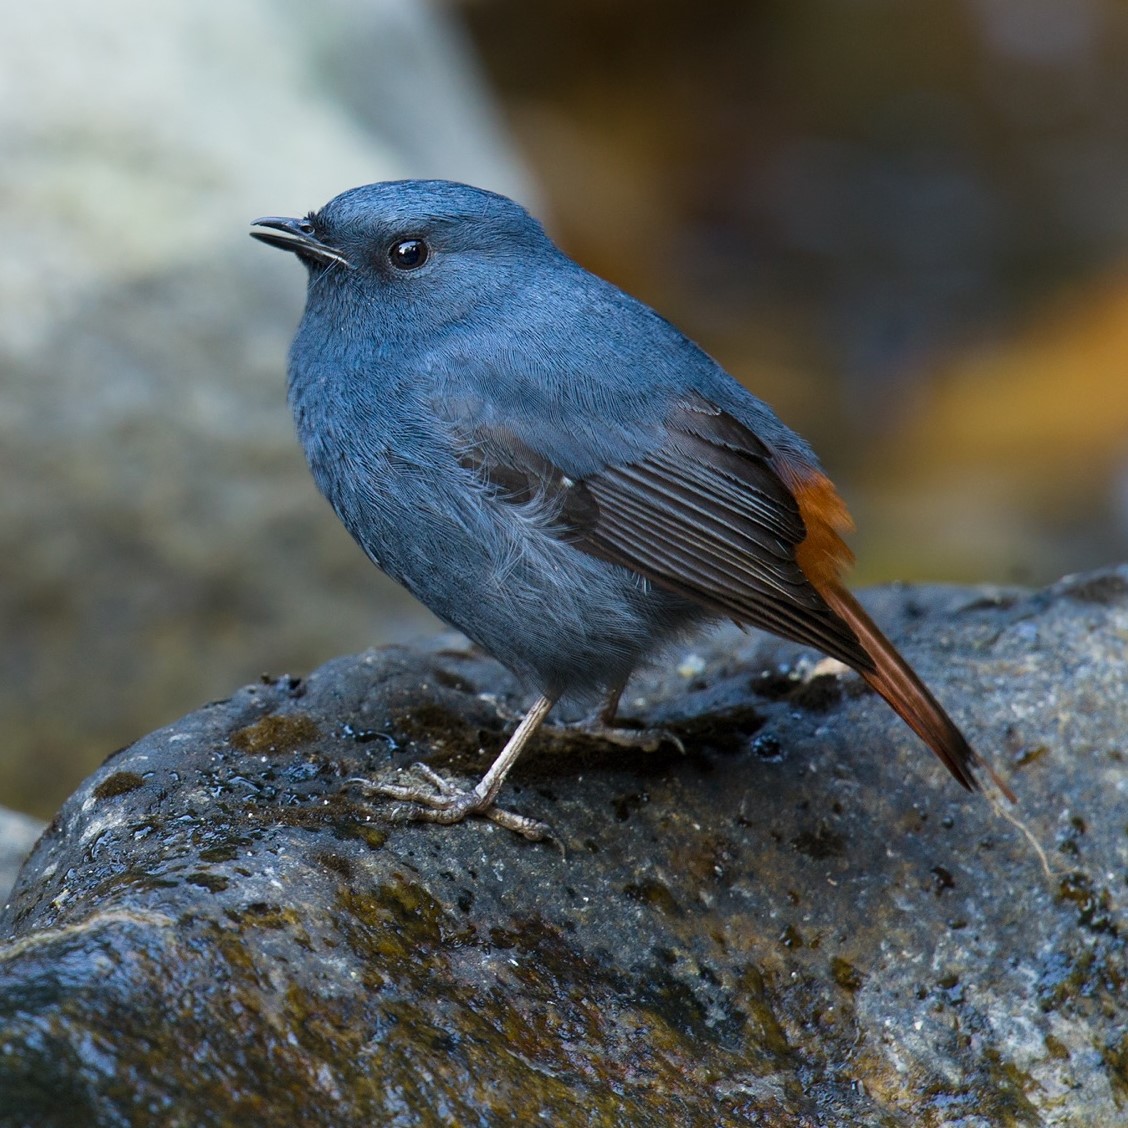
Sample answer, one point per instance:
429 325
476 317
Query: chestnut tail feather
893 678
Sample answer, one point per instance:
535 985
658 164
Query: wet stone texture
802 920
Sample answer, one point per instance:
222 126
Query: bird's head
412 241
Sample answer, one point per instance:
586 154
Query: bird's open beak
296 235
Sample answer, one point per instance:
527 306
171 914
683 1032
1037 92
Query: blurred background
905 224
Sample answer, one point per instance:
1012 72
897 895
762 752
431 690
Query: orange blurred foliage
1006 437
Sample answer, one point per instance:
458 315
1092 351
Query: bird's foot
445 803
622 736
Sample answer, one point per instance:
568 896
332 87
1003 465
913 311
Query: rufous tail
823 556
910 698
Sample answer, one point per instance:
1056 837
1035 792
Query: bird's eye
409 254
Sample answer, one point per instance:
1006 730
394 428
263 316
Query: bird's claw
446 803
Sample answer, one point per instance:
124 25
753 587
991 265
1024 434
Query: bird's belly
564 621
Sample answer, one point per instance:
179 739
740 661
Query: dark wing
705 515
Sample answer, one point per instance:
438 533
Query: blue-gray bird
553 468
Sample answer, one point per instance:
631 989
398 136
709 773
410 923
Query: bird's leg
603 726
445 803
606 715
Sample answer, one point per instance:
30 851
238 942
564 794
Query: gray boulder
801 920
18 833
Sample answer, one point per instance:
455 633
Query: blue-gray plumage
550 466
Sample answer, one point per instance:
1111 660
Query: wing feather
705 515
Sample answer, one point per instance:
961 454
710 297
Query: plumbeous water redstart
553 468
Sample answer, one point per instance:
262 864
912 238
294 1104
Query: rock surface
802 920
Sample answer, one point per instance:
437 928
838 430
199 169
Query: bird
556 470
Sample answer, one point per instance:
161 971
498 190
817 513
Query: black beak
296 235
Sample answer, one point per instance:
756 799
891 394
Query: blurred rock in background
1014 458
904 225
160 539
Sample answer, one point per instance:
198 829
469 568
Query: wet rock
801 920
